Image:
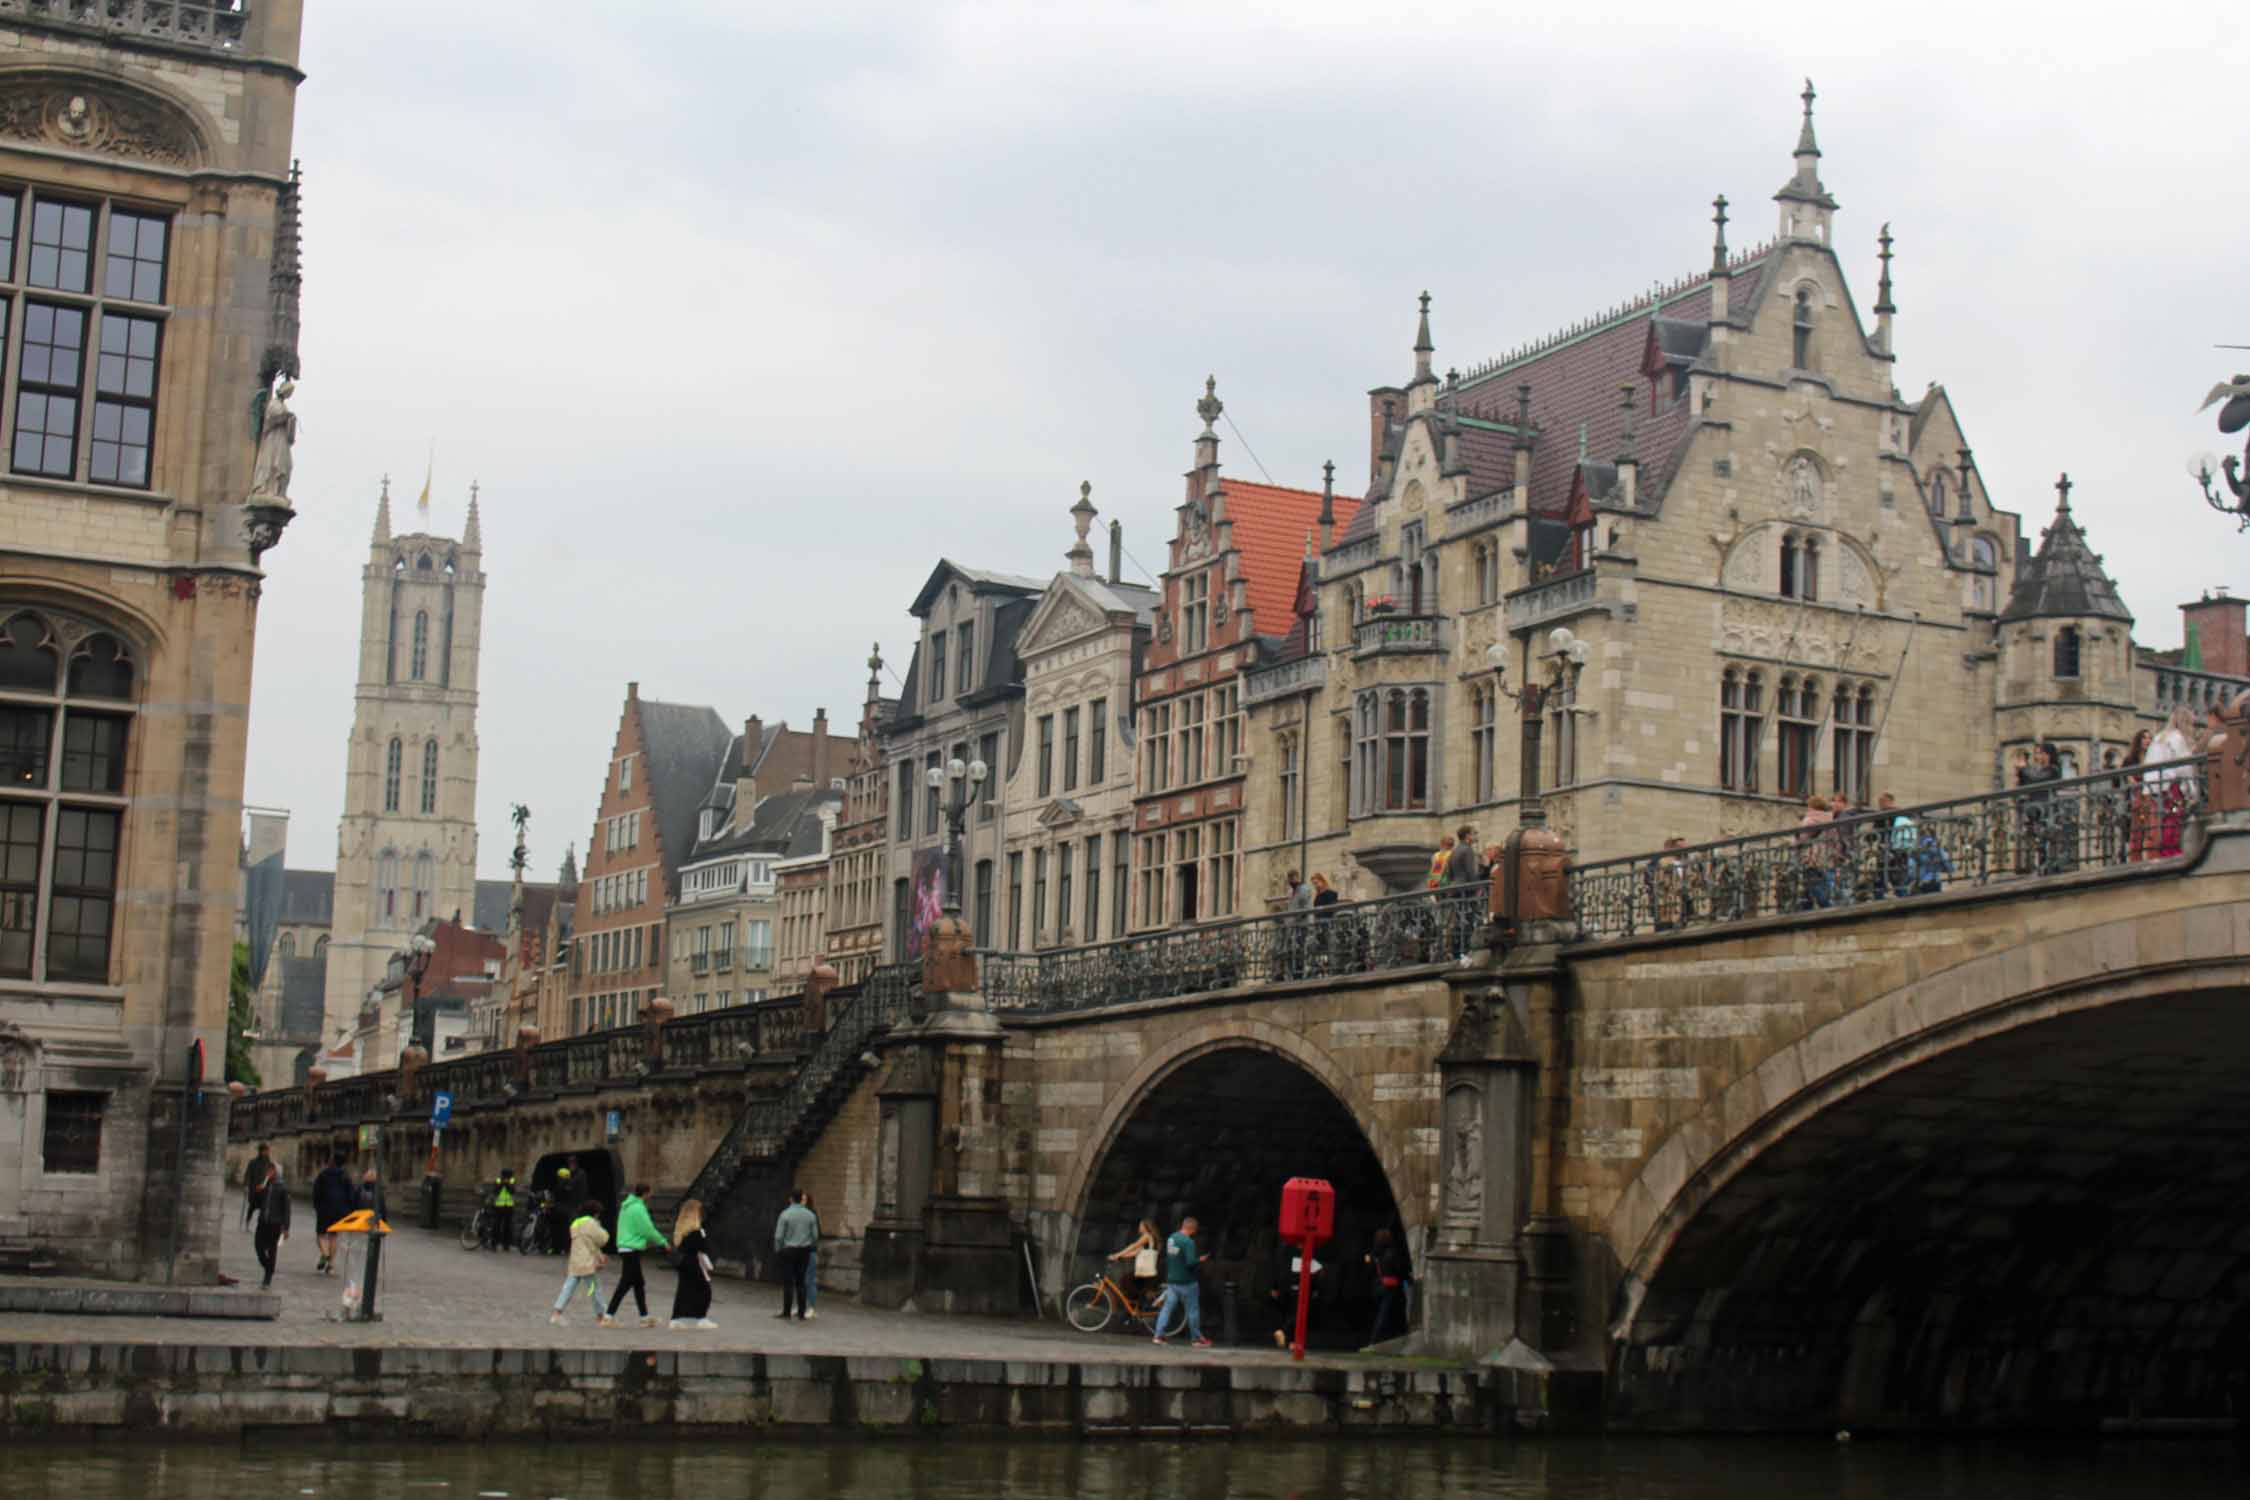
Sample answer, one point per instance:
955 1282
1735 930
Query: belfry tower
406 850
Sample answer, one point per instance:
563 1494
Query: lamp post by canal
967 781
2233 498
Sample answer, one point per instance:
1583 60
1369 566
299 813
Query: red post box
1308 1210
1308 1219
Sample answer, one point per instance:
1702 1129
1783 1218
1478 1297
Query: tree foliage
240 1069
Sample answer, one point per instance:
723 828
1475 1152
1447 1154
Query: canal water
1144 1469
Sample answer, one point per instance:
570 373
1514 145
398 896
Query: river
1148 1469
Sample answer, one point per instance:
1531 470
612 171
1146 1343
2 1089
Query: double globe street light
967 781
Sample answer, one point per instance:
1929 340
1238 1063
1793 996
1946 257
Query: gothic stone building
148 286
1676 568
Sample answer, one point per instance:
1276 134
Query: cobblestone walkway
432 1293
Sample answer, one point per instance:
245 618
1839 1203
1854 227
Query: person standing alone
333 1197
254 1182
273 1219
794 1235
635 1232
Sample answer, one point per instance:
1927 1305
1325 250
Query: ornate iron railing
2107 820
1363 937
728 1038
213 24
772 1125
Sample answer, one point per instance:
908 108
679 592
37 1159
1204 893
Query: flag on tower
422 503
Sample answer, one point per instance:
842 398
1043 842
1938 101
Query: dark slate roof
684 745
304 991
538 904
308 898
494 897
2064 578
785 825
1003 669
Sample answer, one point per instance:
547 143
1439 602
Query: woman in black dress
691 1304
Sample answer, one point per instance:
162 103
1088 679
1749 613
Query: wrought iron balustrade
1282 679
1363 937
1384 635
2105 821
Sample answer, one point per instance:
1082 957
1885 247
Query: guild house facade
148 287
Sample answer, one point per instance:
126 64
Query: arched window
288 945
1789 565
320 947
2066 651
66 723
1563 726
1485 558
1801 329
422 563
391 759
1483 738
1937 493
1799 711
425 884
386 885
1852 768
421 660
1984 556
1808 571
429 776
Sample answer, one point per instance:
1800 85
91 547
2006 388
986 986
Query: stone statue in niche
1464 1172
277 437
1804 485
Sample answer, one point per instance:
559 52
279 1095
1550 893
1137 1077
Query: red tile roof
1269 527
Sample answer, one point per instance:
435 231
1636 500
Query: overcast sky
743 314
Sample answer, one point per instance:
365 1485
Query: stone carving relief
1781 631
1464 1168
1804 486
19 1061
60 110
1069 620
1853 583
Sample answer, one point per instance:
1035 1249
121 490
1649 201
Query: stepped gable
1268 524
2065 578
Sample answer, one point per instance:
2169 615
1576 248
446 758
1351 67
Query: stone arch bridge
1973 1154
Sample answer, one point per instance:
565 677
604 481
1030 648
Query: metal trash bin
359 1260
433 1199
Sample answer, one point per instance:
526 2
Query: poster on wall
927 897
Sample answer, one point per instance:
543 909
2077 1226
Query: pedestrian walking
1182 1287
273 1219
1816 856
2037 853
1441 862
691 1303
2140 821
812 1257
333 1197
636 1234
1291 1271
2170 786
1392 1268
1144 1253
254 1181
794 1235
587 1239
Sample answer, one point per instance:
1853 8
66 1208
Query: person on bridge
504 1210
333 1198
1182 1288
2170 786
587 1239
1441 863
273 1219
1463 867
636 1232
2140 821
691 1303
795 1233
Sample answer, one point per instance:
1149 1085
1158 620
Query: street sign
441 1109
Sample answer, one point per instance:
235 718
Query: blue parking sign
441 1110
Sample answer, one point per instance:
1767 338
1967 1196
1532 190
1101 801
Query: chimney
1382 411
1117 552
1628 454
746 775
2216 621
632 692
1522 502
1327 505
820 747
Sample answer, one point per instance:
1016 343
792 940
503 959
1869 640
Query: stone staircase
753 1161
19 1256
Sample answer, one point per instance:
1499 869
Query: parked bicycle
477 1231
1091 1307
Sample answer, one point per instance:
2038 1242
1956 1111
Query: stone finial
1719 237
1210 406
1523 416
472 534
1883 282
1423 347
2062 495
1806 145
1081 553
383 513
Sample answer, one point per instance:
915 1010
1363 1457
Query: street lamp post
2233 499
967 781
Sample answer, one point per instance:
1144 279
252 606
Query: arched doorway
1216 1138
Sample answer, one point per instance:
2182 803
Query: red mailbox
1308 1210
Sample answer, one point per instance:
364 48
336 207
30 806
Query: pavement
434 1294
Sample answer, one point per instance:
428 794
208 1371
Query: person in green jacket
636 1232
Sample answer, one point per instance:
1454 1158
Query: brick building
854 916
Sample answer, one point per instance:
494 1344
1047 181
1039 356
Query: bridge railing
2106 820
725 1038
1360 937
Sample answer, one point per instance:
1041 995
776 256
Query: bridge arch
1993 1193
1237 1080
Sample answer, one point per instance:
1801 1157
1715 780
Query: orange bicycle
1090 1307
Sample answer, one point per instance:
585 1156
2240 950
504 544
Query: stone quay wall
70 1392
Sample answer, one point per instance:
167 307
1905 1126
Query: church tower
406 850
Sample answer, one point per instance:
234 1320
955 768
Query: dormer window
937 664
710 822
